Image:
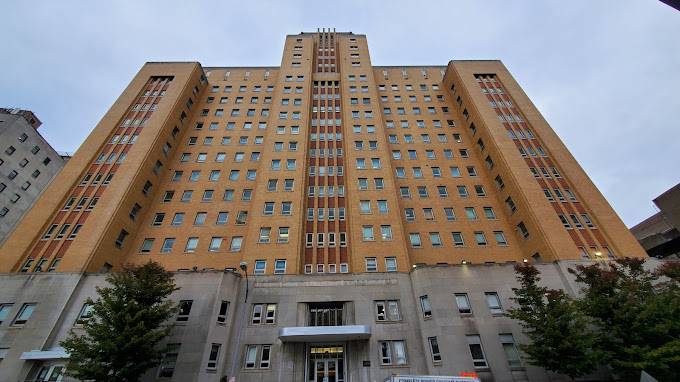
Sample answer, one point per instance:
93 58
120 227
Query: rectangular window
213 357
279 266
510 349
476 351
371 264
434 349
24 314
391 264
500 238
392 352
257 356
494 302
184 310
387 311
168 243
263 314
480 238
435 239
425 306
4 311
167 365
463 303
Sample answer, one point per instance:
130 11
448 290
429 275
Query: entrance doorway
52 373
326 363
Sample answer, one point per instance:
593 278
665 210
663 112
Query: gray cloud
604 73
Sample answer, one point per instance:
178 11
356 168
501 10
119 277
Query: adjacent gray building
435 320
27 165
659 234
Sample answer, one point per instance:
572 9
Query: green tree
560 337
638 315
128 320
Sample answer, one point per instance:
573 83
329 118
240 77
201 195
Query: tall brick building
323 172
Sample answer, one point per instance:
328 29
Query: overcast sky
605 74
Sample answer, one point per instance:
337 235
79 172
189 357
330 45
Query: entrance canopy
325 333
53 353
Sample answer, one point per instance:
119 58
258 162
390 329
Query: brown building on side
324 171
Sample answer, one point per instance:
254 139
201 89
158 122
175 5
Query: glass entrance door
326 370
50 373
326 363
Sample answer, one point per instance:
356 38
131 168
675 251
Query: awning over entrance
54 353
325 333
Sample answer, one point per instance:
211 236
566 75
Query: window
480 238
489 213
121 238
263 314
85 314
214 355
268 209
215 244
367 233
284 234
450 214
168 243
286 208
371 264
158 219
4 311
523 230
146 245
386 232
476 351
200 217
462 191
425 306
62 231
434 349
191 245
184 310
387 311
236 242
463 303
458 239
500 238
415 240
265 233
365 206
178 219
167 365
50 231
510 349
494 302
435 239
222 218
257 356
24 314
392 352
470 213
279 266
